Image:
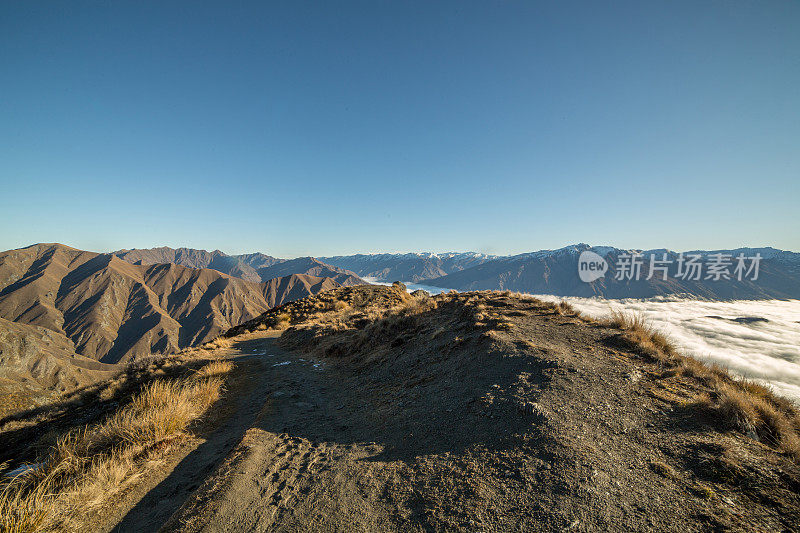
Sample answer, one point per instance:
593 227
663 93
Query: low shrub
85 466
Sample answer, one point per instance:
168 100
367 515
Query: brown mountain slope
368 409
251 267
30 279
489 412
114 310
37 364
311 267
239 266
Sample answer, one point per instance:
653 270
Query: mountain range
311 267
64 313
556 272
541 272
412 267
111 310
251 267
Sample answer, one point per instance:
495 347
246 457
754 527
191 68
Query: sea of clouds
767 351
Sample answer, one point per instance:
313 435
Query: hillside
38 364
251 267
369 409
556 272
312 267
114 311
239 266
542 272
491 412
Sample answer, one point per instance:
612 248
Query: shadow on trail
415 391
434 396
156 507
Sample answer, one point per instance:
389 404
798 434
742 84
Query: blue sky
324 128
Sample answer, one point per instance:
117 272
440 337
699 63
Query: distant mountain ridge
243 266
411 267
543 271
312 267
556 272
256 267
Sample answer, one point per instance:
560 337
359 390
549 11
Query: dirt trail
300 465
437 423
156 498
275 394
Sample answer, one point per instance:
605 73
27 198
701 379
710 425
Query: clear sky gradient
321 128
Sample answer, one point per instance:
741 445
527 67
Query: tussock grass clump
216 344
565 309
741 404
282 321
85 466
277 321
755 410
641 334
22 512
216 368
410 307
660 467
162 410
703 491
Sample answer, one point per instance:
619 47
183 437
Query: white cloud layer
766 351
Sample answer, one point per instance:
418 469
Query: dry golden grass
86 466
755 410
27 511
637 331
216 368
703 490
743 404
110 391
162 410
410 307
280 321
664 469
217 344
565 309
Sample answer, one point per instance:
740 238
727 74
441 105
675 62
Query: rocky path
546 424
150 504
298 466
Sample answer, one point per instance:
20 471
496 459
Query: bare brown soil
68 316
471 412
